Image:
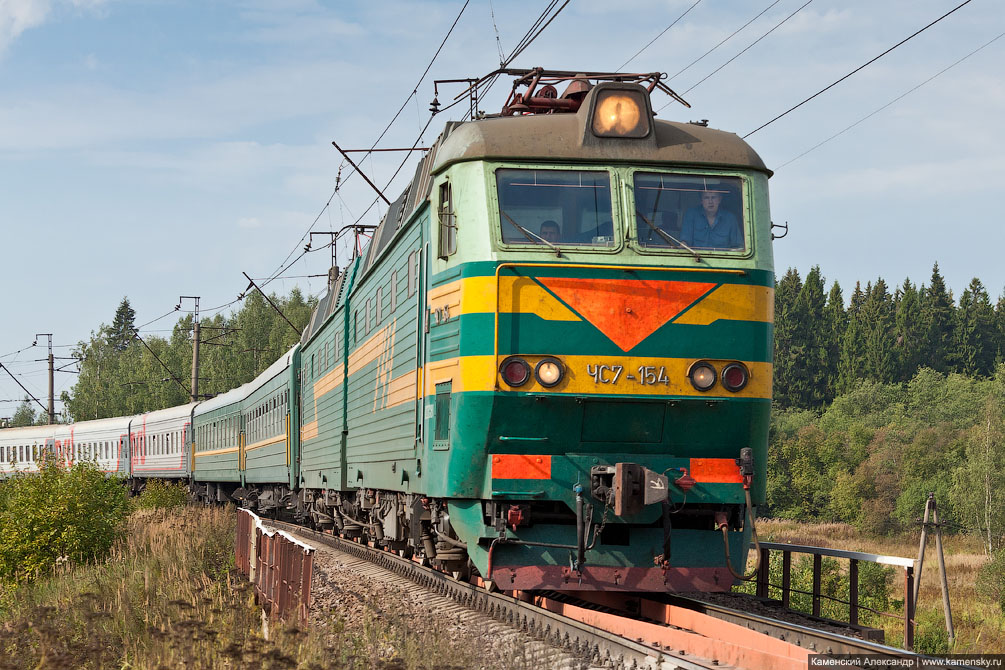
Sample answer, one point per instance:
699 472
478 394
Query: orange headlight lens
620 114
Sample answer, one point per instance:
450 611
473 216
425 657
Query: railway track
663 633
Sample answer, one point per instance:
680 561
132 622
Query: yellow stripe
329 381
309 431
478 373
371 349
734 302
214 452
265 443
401 390
476 295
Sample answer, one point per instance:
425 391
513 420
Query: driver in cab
709 226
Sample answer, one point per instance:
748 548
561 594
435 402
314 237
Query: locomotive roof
562 137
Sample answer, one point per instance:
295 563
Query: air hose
753 533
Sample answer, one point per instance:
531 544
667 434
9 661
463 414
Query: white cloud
17 16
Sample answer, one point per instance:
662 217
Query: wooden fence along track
663 636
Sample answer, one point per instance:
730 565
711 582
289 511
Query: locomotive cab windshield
559 208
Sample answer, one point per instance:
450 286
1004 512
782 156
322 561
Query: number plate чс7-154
644 375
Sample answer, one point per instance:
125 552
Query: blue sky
156 148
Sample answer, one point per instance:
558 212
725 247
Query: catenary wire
859 68
899 97
532 34
745 49
742 52
379 137
731 36
662 32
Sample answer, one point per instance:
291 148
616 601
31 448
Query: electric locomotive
551 367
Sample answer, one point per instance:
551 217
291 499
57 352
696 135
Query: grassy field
169 597
978 620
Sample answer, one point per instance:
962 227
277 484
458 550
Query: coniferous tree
788 347
999 330
973 342
121 332
808 386
937 322
910 331
852 360
834 325
878 325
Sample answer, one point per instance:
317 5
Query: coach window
543 209
448 225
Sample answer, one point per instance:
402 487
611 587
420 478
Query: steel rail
816 640
610 650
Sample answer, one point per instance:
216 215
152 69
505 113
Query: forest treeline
123 373
879 403
823 348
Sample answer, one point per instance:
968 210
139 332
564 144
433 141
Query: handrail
839 553
908 564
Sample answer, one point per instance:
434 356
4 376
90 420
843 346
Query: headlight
702 375
549 371
515 371
734 377
620 113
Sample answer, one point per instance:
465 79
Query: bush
58 515
159 494
991 578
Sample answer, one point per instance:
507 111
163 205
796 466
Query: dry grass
169 597
978 621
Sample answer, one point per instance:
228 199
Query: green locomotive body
580 408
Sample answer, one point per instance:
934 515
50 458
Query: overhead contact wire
899 97
858 69
731 36
745 50
379 137
663 32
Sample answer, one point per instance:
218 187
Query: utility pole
52 387
195 346
930 507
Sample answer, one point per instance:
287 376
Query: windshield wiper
667 237
530 235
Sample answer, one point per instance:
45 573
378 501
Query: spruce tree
808 386
121 332
910 331
788 346
852 359
937 323
878 327
999 330
834 325
973 337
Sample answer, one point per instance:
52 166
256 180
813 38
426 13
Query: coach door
242 454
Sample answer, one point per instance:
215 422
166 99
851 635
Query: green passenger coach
551 367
